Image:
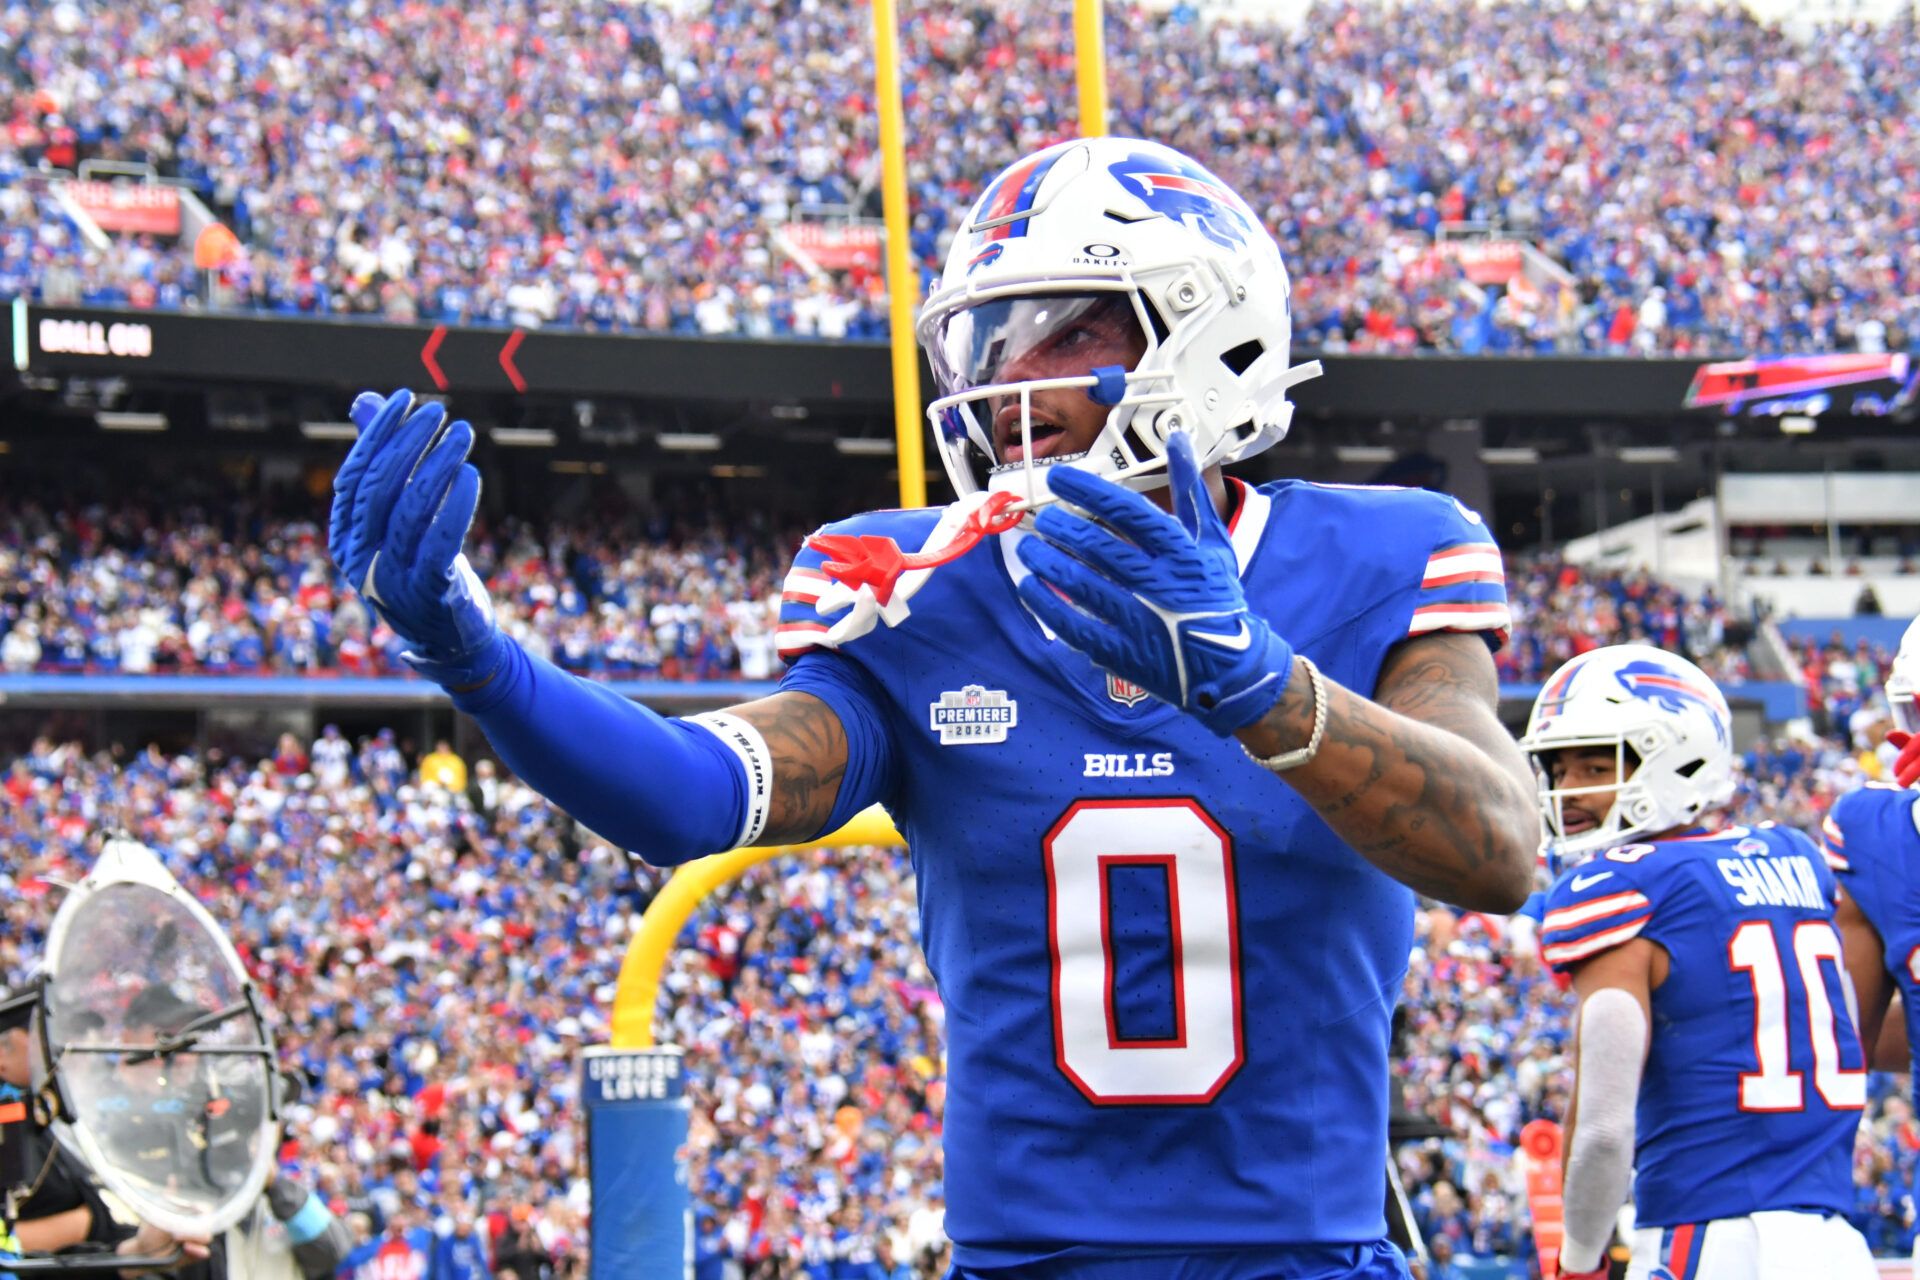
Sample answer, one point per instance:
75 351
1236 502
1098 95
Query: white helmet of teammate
1104 223
1661 716
1903 681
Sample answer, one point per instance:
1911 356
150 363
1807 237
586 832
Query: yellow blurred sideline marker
646 958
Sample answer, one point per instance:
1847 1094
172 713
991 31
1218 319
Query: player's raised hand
1155 598
402 504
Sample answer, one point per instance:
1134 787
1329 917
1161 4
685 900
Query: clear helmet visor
1035 379
1024 338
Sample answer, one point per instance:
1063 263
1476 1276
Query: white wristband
745 742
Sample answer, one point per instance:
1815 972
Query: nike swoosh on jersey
1585 882
1239 640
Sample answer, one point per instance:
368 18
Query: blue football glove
402 503
1160 604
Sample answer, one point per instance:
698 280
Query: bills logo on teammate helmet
1186 193
1670 691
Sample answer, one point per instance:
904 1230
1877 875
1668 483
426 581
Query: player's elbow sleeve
1613 1046
665 790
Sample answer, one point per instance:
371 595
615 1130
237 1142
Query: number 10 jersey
1167 983
1754 1082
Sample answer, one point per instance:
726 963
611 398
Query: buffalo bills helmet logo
1670 691
985 257
1177 188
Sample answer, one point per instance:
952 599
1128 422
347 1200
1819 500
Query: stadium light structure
524 437
1519 456
864 447
329 431
107 420
1654 454
688 441
1365 453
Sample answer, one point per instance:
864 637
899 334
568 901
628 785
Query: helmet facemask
984 421
1634 810
1667 728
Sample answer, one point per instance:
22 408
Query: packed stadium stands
438 942
1673 177
438 950
125 589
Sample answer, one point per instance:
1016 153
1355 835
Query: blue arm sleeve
872 775
662 789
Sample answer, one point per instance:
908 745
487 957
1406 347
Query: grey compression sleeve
1613 1047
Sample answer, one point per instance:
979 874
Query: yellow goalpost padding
1090 66
646 959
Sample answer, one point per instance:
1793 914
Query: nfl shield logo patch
1125 692
973 714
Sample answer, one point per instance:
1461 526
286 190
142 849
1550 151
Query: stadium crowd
1561 610
438 943
126 589
1841 679
1692 180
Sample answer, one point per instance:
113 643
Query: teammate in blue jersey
1171 753
1871 839
1712 991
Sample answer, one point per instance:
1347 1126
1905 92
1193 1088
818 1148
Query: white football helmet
1112 225
1903 681
1661 716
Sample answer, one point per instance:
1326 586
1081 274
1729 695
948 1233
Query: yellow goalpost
638 990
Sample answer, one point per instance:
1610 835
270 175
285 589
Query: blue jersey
1167 983
1755 1082
1872 843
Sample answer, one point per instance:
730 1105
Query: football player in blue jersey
1712 993
1171 753
1871 839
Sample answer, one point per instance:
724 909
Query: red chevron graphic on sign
506 359
427 353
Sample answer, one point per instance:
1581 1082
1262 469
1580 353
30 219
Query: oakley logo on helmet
1179 189
1651 682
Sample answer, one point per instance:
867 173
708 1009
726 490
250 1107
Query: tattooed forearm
1422 781
809 747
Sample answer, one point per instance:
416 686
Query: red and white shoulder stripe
1468 562
801 626
1571 934
1462 588
1469 616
